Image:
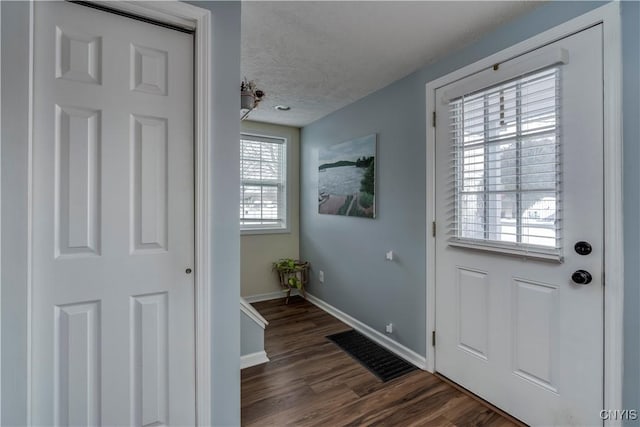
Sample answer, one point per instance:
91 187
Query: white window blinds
506 171
263 182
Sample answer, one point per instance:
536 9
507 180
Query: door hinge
433 229
433 338
433 119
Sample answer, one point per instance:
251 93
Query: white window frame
269 229
609 16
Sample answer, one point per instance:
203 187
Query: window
506 161
263 179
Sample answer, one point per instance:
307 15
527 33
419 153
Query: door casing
609 16
194 18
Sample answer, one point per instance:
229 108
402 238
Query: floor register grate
380 361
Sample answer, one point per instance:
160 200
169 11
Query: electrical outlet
389 328
321 276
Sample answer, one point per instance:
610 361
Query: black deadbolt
583 248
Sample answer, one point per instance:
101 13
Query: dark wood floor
311 382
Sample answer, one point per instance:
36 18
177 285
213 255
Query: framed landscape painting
346 178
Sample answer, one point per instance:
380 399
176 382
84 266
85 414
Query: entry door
519 184
112 305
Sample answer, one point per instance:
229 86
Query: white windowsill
250 231
531 253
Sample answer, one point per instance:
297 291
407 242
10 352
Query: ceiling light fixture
250 97
282 107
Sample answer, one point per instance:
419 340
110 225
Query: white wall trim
252 313
171 13
269 296
203 231
613 213
253 359
609 16
386 342
198 19
0 212
30 206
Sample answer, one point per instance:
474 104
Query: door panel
149 189
77 178
149 364
77 364
535 338
473 316
512 326
112 314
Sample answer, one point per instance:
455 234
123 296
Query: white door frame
194 18
609 16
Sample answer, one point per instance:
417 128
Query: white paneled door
519 246
112 296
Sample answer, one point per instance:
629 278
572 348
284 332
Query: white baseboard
391 345
253 359
269 296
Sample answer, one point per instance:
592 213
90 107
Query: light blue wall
13 295
225 199
225 250
351 251
251 336
631 138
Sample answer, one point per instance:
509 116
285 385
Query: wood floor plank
307 413
311 382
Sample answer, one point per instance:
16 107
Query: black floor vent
380 361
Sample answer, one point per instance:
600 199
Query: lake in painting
346 178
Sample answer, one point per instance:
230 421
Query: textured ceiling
318 57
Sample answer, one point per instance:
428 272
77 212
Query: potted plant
293 274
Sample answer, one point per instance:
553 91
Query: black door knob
581 277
